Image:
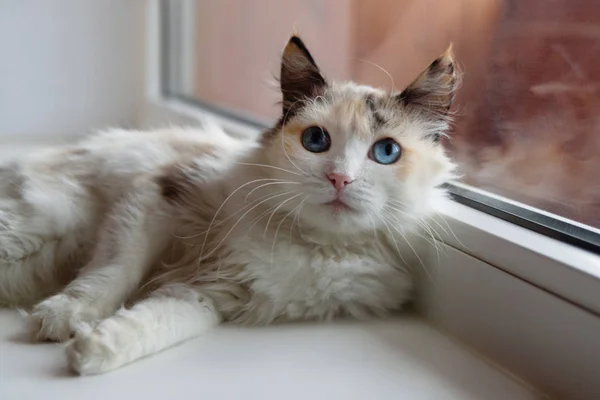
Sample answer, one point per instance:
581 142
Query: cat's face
364 158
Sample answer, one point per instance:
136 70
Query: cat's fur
145 239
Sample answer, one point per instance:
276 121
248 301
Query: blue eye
385 151
316 139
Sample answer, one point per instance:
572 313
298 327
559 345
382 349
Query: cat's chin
337 217
338 207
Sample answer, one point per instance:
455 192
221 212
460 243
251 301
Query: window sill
402 358
564 270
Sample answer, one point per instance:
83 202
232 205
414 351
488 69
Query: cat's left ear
433 91
300 77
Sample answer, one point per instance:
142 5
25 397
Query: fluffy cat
131 242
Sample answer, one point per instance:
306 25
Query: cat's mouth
339 206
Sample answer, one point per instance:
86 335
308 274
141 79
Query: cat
131 242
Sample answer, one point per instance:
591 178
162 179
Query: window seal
536 220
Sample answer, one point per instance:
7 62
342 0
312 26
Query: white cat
145 239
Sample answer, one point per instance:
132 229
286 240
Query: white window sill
398 359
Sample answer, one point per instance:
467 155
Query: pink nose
339 181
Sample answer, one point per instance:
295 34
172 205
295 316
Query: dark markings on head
377 119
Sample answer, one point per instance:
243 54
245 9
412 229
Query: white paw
58 316
94 351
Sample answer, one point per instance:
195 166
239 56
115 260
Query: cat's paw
57 317
94 351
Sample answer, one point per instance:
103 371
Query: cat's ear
300 77
433 91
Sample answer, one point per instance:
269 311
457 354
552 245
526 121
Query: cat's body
188 228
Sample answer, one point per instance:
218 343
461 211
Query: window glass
528 110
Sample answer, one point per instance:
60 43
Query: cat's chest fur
304 279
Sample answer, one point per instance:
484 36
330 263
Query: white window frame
528 302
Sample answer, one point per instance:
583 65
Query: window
528 112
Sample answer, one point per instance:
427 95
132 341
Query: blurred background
69 66
527 114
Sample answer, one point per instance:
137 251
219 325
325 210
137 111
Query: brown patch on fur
173 184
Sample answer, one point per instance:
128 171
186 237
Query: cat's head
364 157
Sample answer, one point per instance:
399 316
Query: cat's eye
385 151
316 139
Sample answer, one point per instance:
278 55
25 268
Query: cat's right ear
300 77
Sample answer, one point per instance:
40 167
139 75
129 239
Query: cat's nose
339 181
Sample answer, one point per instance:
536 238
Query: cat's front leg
170 315
130 239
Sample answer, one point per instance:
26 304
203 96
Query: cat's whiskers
393 238
434 234
263 214
418 221
289 159
429 237
372 222
279 226
220 222
436 239
202 256
280 182
223 204
401 233
275 211
449 228
268 166
432 218
296 216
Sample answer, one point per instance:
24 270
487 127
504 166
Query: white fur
146 239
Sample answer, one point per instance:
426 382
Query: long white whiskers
223 204
202 256
268 166
277 230
277 208
279 182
